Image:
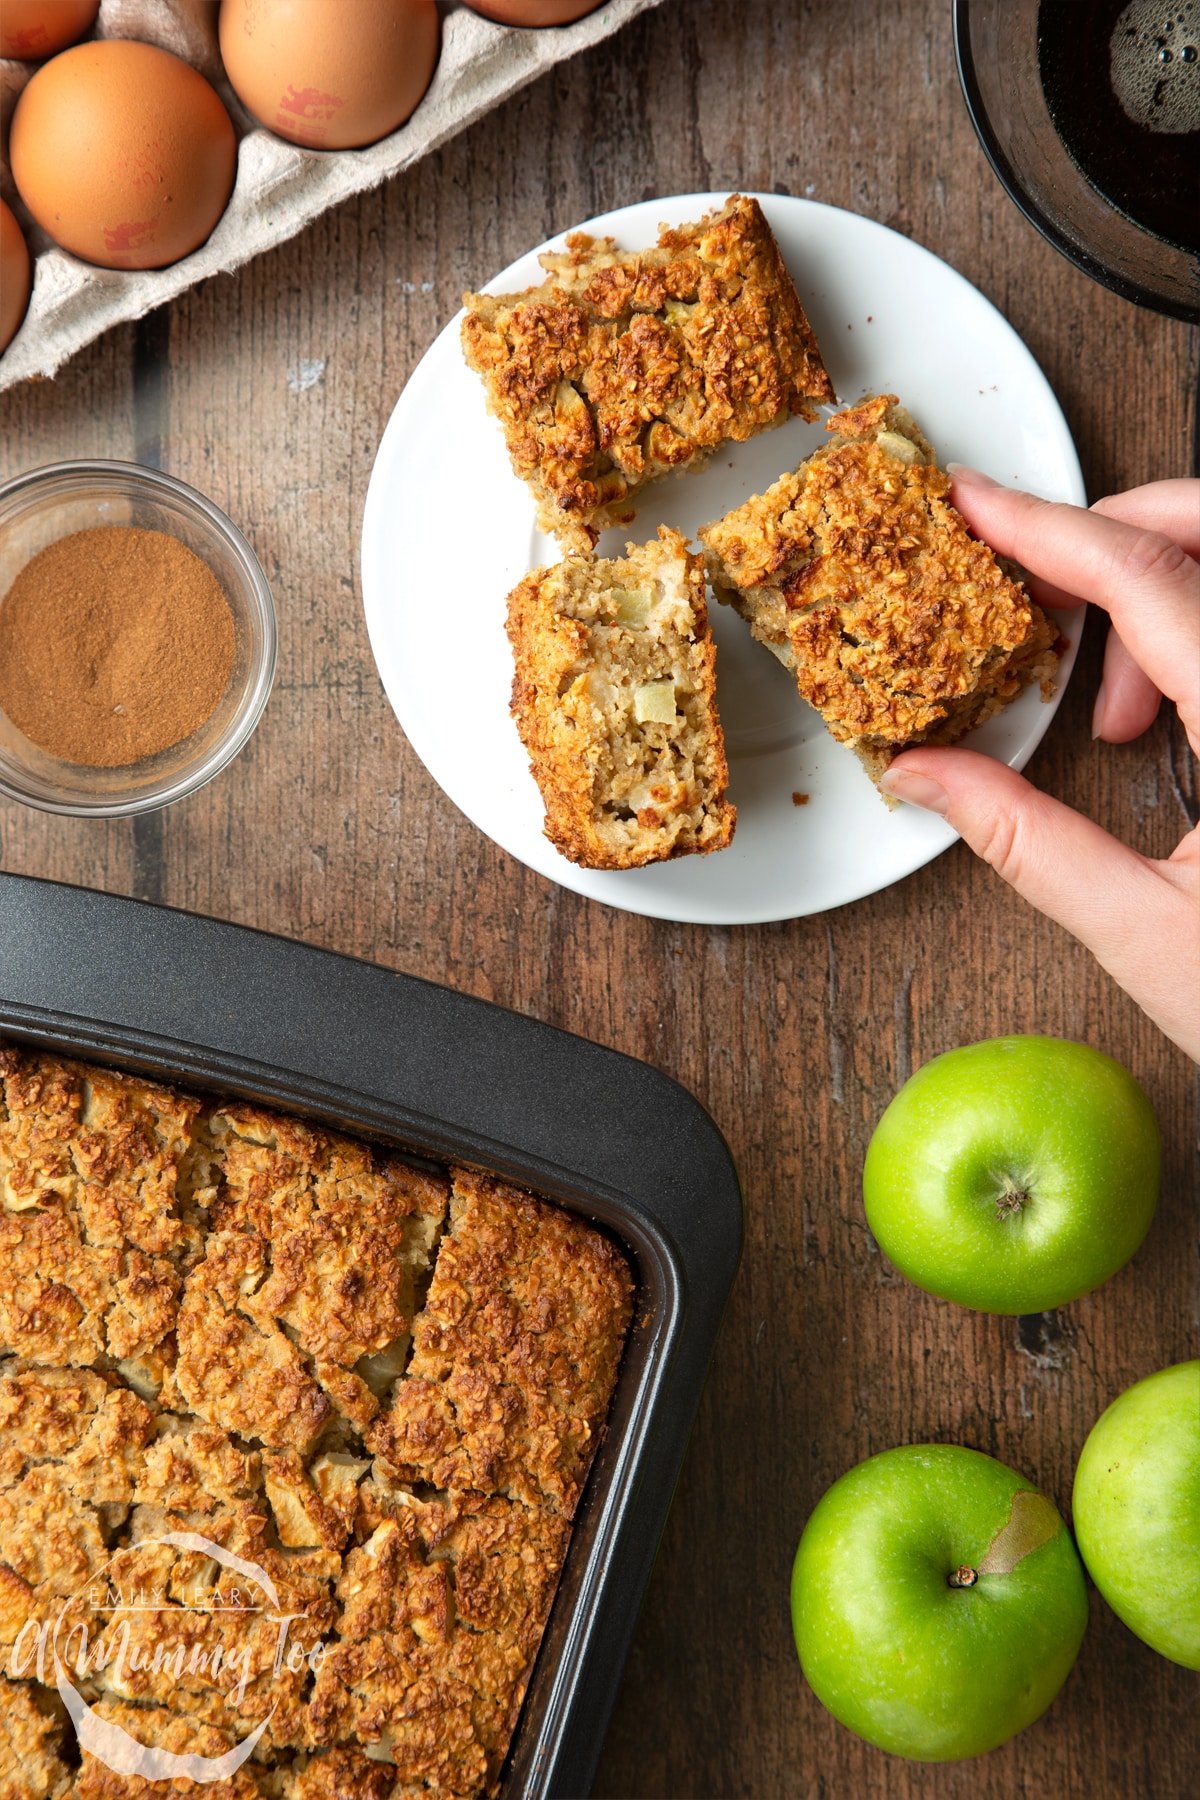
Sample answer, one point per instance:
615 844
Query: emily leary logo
101 1633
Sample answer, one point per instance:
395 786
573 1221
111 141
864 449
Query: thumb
1065 865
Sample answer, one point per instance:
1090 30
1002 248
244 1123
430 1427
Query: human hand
1136 556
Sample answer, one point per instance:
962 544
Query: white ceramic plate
449 530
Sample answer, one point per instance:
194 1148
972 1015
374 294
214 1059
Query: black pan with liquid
1150 173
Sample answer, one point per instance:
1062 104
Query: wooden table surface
269 390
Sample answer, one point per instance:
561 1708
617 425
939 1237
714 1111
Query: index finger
1172 507
1147 582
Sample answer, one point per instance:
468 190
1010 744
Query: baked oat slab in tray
855 570
627 365
379 1388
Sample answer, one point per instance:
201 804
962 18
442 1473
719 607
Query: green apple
938 1603
1015 1174
1137 1510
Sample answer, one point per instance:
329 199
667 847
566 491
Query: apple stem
1011 1200
963 1577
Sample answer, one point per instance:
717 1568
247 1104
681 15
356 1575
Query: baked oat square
855 570
514 1354
625 365
614 700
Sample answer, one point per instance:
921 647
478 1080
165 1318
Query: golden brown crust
31 1734
338 1775
226 1625
348 1230
901 628
298 1262
195 1470
160 1727
123 1153
237 1367
310 1268
620 792
625 365
306 1775
442 1610
102 1184
514 1354
84 1422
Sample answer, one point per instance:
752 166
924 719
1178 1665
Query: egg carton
279 187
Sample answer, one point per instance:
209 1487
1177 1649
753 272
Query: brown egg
534 12
328 75
15 277
123 153
32 29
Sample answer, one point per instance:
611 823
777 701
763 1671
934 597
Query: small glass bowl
44 505
995 44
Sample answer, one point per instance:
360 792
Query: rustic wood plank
269 390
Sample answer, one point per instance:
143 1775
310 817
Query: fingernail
917 790
969 477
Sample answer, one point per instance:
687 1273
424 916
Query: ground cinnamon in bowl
115 644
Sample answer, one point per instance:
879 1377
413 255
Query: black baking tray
220 1007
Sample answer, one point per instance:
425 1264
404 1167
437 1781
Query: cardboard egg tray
279 187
